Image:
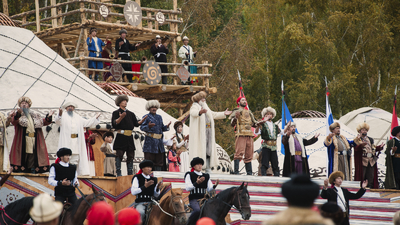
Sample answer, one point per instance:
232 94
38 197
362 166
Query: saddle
149 208
202 201
65 209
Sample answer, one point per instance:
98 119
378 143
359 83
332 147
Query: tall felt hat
333 126
362 126
300 191
146 163
395 131
45 209
121 98
268 109
63 151
196 160
177 123
101 213
335 175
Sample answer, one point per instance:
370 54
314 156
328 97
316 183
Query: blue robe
93 52
152 145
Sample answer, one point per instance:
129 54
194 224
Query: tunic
95 48
154 145
123 52
183 147
109 161
129 122
160 55
173 161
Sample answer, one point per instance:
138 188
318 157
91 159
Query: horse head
178 205
96 196
242 201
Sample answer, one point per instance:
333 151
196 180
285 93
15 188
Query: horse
172 207
17 212
217 208
76 213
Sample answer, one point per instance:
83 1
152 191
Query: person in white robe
72 136
202 132
187 55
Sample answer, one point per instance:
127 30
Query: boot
118 166
249 170
129 167
276 172
263 171
236 166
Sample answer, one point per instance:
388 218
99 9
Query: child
182 143
109 161
174 160
64 177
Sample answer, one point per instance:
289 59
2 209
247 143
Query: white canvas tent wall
308 127
28 67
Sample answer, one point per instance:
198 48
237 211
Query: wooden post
205 79
37 15
180 111
23 20
53 13
85 50
140 24
59 11
109 17
174 51
5 7
149 22
83 15
93 16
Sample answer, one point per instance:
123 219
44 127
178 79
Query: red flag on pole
395 123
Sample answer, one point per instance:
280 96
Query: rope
155 202
4 213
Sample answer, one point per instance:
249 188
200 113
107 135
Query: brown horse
76 214
172 207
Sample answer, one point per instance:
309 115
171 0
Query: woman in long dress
182 145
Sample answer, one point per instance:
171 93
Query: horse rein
233 206
4 213
83 196
172 198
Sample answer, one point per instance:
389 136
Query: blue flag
286 117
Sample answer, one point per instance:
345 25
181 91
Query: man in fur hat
122 49
4 150
124 121
300 193
295 152
28 151
202 132
366 157
339 152
339 195
392 177
72 135
153 125
269 133
243 120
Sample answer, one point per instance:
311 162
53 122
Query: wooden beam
185 90
172 105
183 116
37 16
65 50
53 13
5 7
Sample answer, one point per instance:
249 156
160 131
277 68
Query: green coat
390 182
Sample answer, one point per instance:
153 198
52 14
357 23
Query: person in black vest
144 187
197 183
64 177
122 48
160 52
339 195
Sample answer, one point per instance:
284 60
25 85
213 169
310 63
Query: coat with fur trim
289 161
332 145
297 215
358 165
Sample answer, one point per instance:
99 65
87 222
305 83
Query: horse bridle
233 206
91 201
172 200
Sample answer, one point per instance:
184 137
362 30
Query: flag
286 116
395 122
329 121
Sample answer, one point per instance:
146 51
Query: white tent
308 127
28 67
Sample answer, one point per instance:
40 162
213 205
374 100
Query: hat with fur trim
24 99
335 175
268 109
197 97
196 160
362 126
146 163
152 104
333 126
121 98
63 151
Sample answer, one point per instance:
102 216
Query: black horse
217 208
17 211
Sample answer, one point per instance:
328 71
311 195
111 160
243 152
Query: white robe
66 124
182 54
197 143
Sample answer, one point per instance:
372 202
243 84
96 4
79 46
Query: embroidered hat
25 99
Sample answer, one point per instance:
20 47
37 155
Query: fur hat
68 102
291 124
362 126
121 98
108 134
196 160
333 126
63 151
395 131
92 29
128 216
177 124
300 191
152 104
101 213
123 31
332 211
268 109
335 175
45 209
146 163
25 99
197 97
185 38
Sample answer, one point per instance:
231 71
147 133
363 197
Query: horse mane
20 204
225 194
73 208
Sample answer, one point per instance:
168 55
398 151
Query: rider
197 183
64 177
144 187
45 211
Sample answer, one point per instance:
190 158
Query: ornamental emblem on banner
152 73
133 13
183 74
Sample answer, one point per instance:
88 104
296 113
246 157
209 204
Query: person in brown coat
109 161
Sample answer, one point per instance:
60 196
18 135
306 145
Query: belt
110 155
397 155
144 196
208 125
94 52
271 142
30 134
198 191
74 135
153 135
159 53
368 155
297 152
125 132
342 152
